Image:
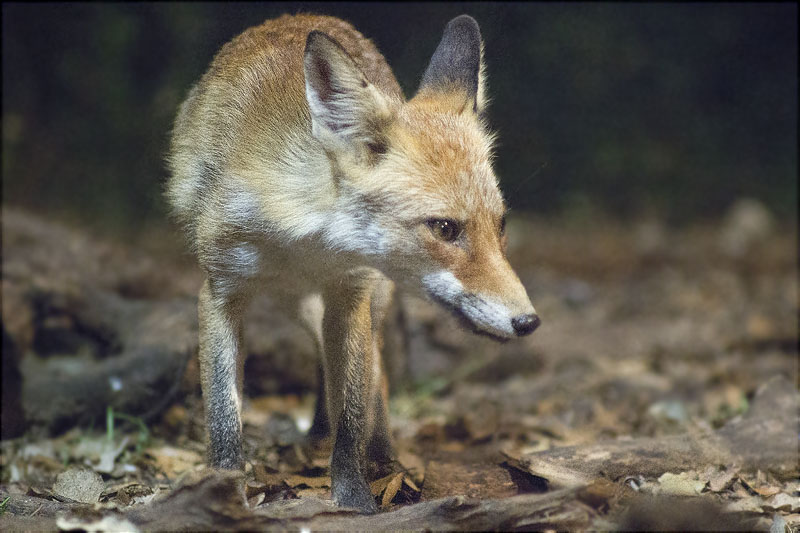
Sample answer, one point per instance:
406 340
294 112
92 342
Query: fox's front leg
221 366
349 385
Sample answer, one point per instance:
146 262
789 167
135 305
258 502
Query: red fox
298 166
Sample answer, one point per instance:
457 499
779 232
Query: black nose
525 324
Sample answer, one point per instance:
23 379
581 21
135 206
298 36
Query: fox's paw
354 493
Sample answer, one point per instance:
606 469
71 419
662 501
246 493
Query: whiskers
527 179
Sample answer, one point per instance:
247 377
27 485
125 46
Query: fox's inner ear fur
457 63
346 109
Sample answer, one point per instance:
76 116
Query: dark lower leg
349 486
321 427
220 369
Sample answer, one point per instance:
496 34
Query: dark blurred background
674 110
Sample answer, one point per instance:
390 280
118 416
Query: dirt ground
660 392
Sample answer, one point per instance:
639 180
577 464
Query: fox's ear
457 63
346 109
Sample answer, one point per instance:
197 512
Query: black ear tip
463 23
313 36
318 38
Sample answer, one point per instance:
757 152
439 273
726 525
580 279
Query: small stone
681 484
782 502
673 411
80 484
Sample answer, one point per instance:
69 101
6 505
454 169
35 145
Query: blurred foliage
676 109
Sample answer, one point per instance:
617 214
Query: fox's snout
484 314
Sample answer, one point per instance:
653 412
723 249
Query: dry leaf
256 500
410 484
391 489
719 481
127 493
274 482
310 482
174 461
379 485
767 490
320 462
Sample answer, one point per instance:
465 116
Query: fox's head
416 194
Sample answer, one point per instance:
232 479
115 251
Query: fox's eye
445 229
503 226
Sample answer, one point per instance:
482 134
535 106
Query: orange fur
299 167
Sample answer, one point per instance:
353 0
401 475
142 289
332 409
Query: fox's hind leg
221 368
310 313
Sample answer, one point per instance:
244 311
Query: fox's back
248 113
